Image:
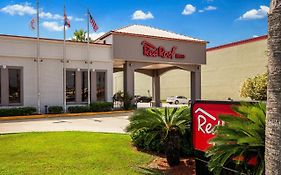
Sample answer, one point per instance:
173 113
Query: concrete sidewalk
112 123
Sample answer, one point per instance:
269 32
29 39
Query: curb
61 115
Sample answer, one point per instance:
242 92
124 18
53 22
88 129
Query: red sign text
205 118
152 51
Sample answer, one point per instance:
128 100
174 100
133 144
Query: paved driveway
115 123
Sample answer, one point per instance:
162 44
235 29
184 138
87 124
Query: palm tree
240 142
273 115
168 124
80 35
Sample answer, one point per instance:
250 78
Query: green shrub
55 110
162 130
140 140
17 111
125 98
255 88
101 106
78 109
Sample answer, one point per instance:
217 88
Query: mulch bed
186 167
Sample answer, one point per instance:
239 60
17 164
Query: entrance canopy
146 44
154 51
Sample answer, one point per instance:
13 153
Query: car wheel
176 102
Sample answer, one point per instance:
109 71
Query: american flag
93 22
66 20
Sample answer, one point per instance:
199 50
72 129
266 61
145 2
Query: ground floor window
14 85
10 86
70 86
101 77
77 86
85 86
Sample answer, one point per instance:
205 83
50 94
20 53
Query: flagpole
88 58
64 66
37 62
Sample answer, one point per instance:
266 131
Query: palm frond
240 136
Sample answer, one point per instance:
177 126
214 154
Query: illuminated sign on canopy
150 50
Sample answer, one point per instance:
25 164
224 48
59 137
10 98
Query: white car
177 100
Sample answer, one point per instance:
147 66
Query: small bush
125 98
78 109
157 146
17 111
255 88
55 110
101 106
148 135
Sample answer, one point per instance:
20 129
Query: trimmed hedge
78 109
55 110
94 107
17 111
101 106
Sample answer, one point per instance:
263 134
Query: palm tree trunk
273 119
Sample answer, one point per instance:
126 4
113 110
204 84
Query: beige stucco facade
227 67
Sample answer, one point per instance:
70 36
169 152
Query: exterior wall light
78 69
4 66
93 70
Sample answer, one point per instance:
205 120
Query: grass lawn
69 153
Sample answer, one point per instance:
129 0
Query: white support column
156 88
129 78
195 81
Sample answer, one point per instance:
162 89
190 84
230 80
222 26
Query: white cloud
52 26
188 9
18 9
254 36
48 15
255 13
26 9
209 8
140 15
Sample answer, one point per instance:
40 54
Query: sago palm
240 141
167 124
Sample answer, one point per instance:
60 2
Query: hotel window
84 86
14 86
101 86
70 86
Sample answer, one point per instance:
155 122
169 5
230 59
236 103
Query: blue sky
216 21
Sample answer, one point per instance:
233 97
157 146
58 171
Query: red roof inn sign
205 116
150 50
